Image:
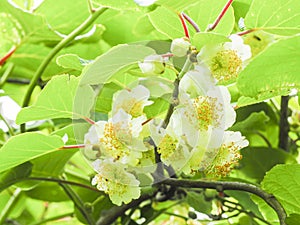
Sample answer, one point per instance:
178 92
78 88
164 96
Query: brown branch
239 186
283 124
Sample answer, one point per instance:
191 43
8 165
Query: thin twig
239 186
283 124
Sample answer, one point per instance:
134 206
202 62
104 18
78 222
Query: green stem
60 181
9 205
54 218
79 204
7 72
52 54
238 186
10 130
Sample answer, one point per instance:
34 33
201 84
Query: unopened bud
152 65
180 47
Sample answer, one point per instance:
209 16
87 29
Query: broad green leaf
279 17
48 191
178 5
268 213
283 182
167 22
52 164
273 72
71 61
115 4
11 33
241 8
293 219
257 161
118 59
25 147
57 101
256 121
245 200
64 21
15 175
198 202
34 26
205 13
159 106
201 39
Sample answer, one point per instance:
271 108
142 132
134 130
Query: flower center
206 108
226 65
113 146
167 146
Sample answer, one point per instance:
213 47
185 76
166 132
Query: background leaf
57 101
278 17
16 152
283 182
118 59
273 72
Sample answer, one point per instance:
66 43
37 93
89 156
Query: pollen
207 108
167 146
113 146
226 65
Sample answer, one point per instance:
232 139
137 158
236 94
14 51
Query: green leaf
15 175
245 200
25 147
64 21
197 201
201 39
115 4
118 59
34 27
178 5
278 17
268 213
256 121
293 219
170 25
257 161
61 98
273 72
205 13
71 61
283 182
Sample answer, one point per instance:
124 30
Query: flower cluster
194 137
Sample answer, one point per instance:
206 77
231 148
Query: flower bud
180 46
152 65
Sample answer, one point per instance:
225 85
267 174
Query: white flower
132 102
112 178
152 65
180 47
225 61
144 2
228 153
118 139
9 110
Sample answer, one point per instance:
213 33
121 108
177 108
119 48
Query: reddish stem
186 31
217 21
167 55
246 32
191 21
9 54
90 121
72 146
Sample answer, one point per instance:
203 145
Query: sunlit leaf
57 101
273 72
118 59
278 17
25 147
283 182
